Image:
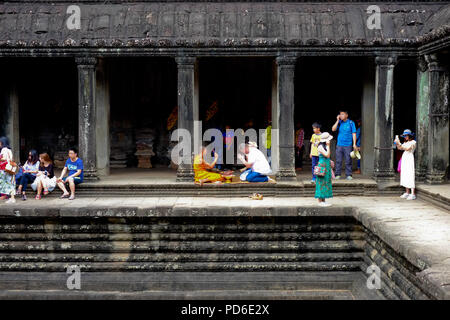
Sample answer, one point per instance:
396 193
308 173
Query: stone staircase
181 244
188 257
193 257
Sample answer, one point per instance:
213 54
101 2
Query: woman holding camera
407 171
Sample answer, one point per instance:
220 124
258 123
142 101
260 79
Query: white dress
48 183
407 175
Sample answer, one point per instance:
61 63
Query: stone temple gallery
117 78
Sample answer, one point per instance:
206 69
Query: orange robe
201 172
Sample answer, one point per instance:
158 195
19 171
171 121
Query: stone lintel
434 62
386 61
86 62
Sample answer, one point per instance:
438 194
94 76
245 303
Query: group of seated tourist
38 173
257 168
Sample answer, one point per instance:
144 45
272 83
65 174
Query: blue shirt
358 137
346 129
73 167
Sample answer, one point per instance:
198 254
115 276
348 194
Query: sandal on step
38 197
72 197
64 196
45 192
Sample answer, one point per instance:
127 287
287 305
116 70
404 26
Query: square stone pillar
368 119
187 108
87 113
422 119
438 133
275 116
384 119
12 118
102 119
285 118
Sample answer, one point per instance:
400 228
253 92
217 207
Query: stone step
188 285
179 295
183 246
177 257
166 225
184 266
169 285
281 189
136 237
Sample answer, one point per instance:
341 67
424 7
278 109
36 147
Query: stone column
368 119
438 133
12 119
186 108
102 119
275 117
422 119
384 119
286 154
87 115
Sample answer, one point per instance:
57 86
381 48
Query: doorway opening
324 86
142 98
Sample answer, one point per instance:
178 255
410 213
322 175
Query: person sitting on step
74 167
45 179
258 167
30 170
202 169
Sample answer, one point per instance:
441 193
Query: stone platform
438 195
119 237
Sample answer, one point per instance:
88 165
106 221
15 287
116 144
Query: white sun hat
355 154
324 137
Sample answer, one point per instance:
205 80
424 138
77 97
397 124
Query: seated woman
45 179
30 170
201 169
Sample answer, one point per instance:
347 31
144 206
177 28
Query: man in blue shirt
74 167
346 142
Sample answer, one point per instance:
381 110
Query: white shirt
6 154
259 161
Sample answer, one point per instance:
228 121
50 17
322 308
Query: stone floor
167 176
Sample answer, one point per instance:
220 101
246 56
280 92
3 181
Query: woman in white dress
407 171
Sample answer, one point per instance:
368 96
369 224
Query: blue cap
407 132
